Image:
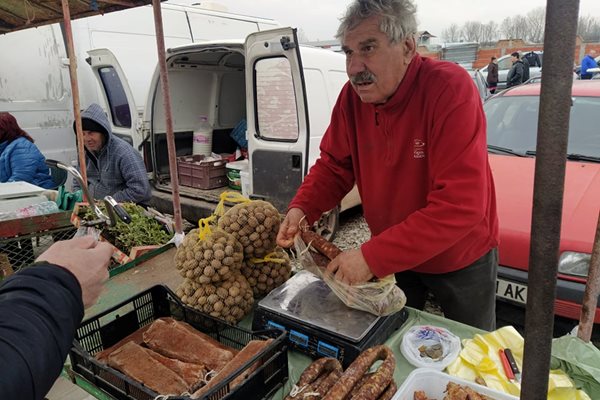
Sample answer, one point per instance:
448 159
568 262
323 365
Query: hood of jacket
95 114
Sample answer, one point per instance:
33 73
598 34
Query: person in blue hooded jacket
587 63
20 159
113 166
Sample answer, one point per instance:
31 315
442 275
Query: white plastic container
202 138
433 384
245 180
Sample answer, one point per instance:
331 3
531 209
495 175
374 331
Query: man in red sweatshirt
410 132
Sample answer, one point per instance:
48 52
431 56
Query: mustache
363 77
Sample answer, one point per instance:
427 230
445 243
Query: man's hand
290 226
350 268
87 259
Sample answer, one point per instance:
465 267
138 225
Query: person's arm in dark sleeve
40 309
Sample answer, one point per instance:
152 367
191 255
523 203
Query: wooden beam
124 3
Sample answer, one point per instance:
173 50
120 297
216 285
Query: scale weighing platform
319 323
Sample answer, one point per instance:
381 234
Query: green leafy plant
143 230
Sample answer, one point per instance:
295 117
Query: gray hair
398 17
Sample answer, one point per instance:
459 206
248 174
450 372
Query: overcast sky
319 18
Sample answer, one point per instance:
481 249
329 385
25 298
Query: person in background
40 309
492 75
20 159
114 168
517 71
589 61
533 59
410 132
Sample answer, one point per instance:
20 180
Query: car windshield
512 125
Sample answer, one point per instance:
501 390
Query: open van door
277 115
118 98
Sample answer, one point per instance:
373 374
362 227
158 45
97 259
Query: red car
512 129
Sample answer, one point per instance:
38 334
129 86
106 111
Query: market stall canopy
22 14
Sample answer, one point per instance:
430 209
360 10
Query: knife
513 364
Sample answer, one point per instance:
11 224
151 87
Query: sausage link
358 368
376 384
320 367
389 392
320 244
358 385
324 385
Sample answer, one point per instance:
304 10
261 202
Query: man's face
593 53
93 140
374 65
513 59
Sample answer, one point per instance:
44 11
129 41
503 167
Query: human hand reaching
294 219
85 258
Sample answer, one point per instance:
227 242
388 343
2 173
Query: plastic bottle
202 138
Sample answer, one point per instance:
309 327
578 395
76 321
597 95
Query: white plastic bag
381 297
427 335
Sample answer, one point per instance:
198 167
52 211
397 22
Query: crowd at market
401 116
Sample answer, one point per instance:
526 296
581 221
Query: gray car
504 65
480 83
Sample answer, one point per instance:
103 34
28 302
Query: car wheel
328 224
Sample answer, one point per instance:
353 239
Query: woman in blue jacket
20 159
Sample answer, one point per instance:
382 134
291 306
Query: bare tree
589 28
514 27
535 20
472 31
451 34
489 33
302 38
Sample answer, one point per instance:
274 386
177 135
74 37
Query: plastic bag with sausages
379 296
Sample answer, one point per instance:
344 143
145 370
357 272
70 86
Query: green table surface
161 270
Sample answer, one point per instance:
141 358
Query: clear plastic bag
88 231
381 297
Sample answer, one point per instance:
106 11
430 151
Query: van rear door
118 98
277 116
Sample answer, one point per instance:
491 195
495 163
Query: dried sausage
320 244
323 385
318 370
389 392
375 384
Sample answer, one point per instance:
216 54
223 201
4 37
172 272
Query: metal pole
553 125
592 290
164 80
74 88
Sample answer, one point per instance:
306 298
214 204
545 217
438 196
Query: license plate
511 291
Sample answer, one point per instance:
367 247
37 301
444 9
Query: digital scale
319 323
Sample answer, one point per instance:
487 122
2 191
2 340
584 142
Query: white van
285 91
34 74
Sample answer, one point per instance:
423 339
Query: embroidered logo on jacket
419 148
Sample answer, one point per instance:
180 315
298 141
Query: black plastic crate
106 329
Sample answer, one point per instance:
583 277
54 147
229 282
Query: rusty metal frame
552 139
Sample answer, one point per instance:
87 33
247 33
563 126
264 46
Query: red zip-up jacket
421 166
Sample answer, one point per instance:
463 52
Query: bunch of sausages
325 379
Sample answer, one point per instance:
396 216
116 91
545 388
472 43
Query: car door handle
296 162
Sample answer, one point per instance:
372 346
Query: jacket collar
406 86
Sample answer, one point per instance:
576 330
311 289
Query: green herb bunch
143 230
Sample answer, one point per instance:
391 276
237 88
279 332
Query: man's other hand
290 226
350 268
